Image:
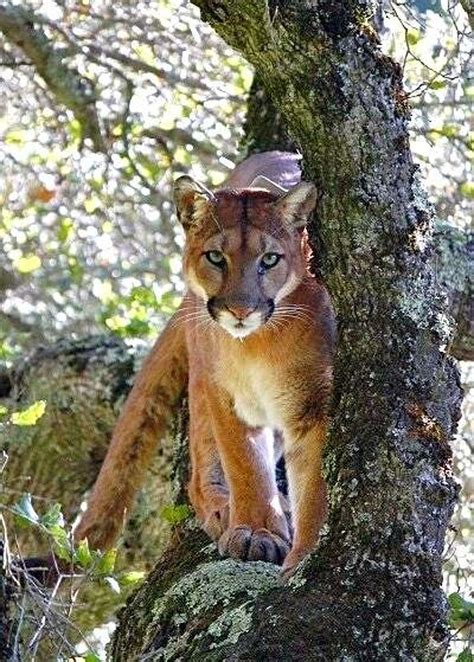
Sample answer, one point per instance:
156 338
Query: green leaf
91 657
6 351
82 554
92 204
149 167
3 411
75 130
96 183
29 416
461 611
16 137
467 189
144 295
53 516
132 577
450 130
437 84
465 656
61 541
455 601
106 563
413 36
175 514
26 264
145 53
65 230
75 269
25 511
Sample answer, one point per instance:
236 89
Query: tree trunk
372 589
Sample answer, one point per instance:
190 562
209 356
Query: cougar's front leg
207 488
307 489
258 528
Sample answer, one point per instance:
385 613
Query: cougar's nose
240 312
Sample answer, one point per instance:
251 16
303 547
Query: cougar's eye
216 258
269 260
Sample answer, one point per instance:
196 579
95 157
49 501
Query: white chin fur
239 332
229 324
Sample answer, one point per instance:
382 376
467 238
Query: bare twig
421 88
35 640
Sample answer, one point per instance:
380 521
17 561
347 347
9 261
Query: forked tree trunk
372 589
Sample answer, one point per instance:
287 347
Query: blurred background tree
103 105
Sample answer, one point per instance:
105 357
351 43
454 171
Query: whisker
288 307
191 308
204 324
195 316
291 316
189 317
294 311
274 324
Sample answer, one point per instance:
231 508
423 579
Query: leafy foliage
176 514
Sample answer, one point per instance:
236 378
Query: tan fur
275 374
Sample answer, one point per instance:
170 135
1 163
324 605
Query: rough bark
468 6
264 128
372 589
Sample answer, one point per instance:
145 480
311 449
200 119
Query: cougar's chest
252 387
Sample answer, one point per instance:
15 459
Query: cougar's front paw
245 544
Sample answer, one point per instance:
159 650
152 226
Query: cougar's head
245 249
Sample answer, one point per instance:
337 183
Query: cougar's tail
142 423
281 169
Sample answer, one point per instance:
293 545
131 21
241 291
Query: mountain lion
252 344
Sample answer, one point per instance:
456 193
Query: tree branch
68 86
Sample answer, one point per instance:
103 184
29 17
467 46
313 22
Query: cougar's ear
188 195
295 206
